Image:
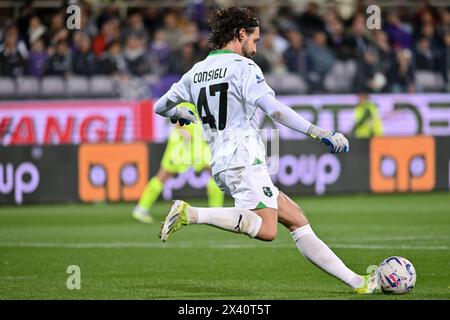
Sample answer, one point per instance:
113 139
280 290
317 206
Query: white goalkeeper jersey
224 87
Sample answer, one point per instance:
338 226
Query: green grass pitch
123 259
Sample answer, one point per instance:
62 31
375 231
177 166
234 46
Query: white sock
231 219
321 255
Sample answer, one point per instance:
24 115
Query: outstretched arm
283 114
291 119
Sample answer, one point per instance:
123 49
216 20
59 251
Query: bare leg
290 214
268 230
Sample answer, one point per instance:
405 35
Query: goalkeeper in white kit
227 88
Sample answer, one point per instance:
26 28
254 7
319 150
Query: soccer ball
396 275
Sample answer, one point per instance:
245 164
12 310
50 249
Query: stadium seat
289 83
428 81
7 88
341 76
27 87
103 87
78 87
53 87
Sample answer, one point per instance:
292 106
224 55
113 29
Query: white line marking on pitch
198 245
392 238
17 277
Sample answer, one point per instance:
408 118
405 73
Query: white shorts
250 186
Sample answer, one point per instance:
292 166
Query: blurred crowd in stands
162 41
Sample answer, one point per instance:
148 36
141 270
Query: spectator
356 40
135 25
76 41
310 21
38 58
83 60
368 78
190 32
196 12
445 59
159 52
152 19
329 16
336 39
401 75
444 26
87 22
12 59
182 60
108 34
425 12
172 32
295 55
399 35
21 46
367 121
37 30
111 12
386 55
428 31
202 46
280 44
60 62
111 61
321 60
58 30
135 57
269 52
425 58
284 20
262 62
23 20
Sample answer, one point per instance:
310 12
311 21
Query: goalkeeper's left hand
184 116
336 140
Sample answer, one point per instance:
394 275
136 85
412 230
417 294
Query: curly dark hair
226 23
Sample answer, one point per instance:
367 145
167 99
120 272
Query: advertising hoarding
75 122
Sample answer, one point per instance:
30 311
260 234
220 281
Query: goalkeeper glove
336 140
183 116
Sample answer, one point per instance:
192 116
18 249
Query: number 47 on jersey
202 104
